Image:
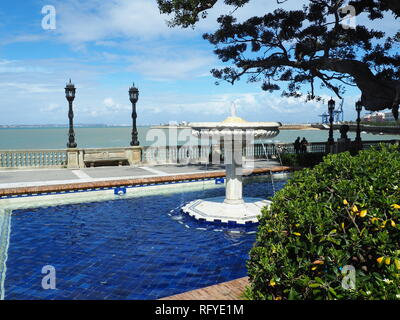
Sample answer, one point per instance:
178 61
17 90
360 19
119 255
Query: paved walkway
46 177
231 290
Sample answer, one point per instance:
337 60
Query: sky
105 46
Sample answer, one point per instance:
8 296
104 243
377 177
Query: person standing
304 144
297 145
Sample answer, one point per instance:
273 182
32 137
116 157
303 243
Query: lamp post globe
331 108
134 97
359 106
70 91
133 94
331 105
358 132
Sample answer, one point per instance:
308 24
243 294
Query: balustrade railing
186 154
33 158
176 154
162 155
372 143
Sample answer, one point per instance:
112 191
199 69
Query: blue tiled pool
138 248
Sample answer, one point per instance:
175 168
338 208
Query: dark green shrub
301 159
344 211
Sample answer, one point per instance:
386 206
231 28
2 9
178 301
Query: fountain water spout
233 110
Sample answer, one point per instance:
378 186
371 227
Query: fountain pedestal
233 207
233 169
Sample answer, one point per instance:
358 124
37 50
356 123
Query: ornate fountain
232 134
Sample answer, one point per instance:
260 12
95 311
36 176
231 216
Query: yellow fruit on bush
354 208
397 263
345 202
387 260
380 259
363 213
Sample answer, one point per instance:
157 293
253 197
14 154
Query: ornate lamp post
134 97
70 95
358 133
331 141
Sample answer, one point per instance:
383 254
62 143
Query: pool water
137 248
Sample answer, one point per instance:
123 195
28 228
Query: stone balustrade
81 158
175 154
68 158
33 158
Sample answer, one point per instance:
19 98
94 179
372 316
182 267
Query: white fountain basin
233 207
235 126
217 210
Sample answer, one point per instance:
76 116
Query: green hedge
344 211
301 159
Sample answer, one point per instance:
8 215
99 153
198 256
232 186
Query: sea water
95 137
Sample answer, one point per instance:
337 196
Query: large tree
310 46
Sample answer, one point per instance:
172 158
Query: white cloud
109 102
25 87
99 21
14 66
92 111
96 20
252 106
112 106
173 67
9 39
51 107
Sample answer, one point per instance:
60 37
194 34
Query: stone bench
104 156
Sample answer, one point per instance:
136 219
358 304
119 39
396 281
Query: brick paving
45 188
231 290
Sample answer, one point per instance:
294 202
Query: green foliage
301 159
344 211
188 12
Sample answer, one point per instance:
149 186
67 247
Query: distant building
378 117
324 118
389 116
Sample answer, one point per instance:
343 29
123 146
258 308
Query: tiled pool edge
229 290
106 185
5 227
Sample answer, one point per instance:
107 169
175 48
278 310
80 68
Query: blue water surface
138 248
